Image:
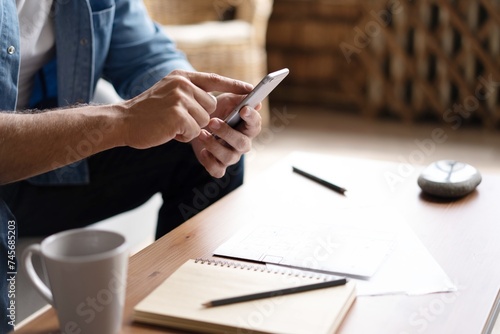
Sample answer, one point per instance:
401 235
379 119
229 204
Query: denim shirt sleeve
9 55
140 54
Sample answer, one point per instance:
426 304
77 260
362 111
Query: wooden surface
462 236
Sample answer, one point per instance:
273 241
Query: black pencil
325 183
275 293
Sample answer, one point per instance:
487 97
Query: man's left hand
218 152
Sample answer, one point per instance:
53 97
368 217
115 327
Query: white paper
383 258
410 269
348 245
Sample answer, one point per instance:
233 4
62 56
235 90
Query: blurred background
400 80
430 60
409 60
374 78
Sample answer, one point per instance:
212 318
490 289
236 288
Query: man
108 158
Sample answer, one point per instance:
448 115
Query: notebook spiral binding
264 268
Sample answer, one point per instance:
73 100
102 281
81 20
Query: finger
236 140
205 103
252 121
197 111
250 126
206 100
219 149
189 129
213 166
211 82
213 97
229 101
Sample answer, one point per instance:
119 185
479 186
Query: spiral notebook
177 302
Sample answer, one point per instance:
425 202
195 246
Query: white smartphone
259 93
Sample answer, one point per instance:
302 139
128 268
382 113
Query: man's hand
177 107
216 154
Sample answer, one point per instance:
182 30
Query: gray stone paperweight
449 179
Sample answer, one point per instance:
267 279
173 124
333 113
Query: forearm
31 144
177 107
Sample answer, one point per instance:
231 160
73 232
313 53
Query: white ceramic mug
87 271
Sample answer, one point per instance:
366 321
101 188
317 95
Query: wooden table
463 236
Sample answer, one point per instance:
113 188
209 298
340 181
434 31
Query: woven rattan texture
411 60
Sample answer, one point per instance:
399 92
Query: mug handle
32 274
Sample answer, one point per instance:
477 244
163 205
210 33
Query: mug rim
122 247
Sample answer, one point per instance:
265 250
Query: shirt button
11 49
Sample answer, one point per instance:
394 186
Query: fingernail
246 112
214 125
204 135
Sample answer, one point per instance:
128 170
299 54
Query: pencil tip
207 304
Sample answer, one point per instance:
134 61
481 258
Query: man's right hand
177 107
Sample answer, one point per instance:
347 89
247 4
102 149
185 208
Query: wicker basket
440 59
169 12
411 60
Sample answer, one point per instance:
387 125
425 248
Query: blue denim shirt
113 39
